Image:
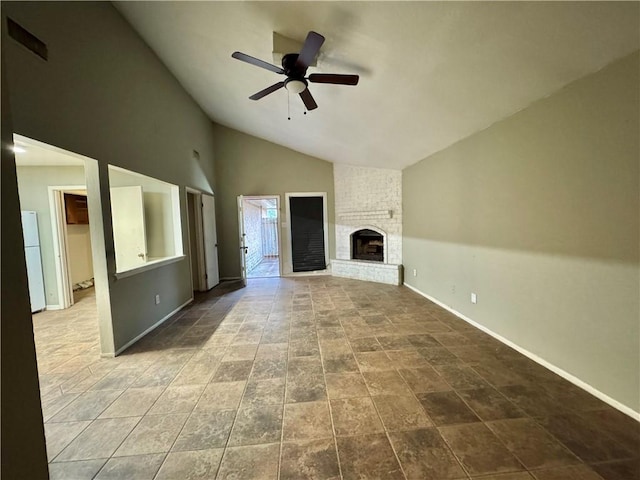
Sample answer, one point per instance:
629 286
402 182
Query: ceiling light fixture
17 149
295 86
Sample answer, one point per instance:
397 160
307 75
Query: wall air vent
26 38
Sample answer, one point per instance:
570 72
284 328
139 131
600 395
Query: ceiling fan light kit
295 86
294 66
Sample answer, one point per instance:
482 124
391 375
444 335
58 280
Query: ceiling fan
294 66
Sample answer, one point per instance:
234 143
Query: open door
243 246
60 245
210 237
129 234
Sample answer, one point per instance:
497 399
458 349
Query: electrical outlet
415 272
157 299
474 298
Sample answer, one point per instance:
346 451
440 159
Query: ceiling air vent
26 38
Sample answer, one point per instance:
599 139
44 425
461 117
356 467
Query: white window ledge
150 265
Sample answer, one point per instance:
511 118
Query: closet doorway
260 219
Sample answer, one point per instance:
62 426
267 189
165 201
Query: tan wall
80 258
104 94
33 187
246 165
539 215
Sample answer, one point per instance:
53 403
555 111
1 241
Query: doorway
72 231
308 230
260 217
52 188
203 240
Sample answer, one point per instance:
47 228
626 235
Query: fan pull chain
288 106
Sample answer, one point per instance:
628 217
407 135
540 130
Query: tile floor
316 378
268 267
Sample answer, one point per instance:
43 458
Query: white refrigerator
34 261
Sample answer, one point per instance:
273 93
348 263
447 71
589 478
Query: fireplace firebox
367 245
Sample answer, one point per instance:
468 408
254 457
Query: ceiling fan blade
256 61
308 100
267 91
309 50
334 78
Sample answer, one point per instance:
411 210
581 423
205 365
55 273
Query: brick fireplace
368 224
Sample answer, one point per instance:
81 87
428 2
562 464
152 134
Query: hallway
316 377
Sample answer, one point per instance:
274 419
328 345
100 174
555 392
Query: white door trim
210 241
60 244
199 253
277 199
325 218
241 241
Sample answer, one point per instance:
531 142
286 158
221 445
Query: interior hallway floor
316 377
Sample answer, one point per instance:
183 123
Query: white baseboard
151 328
227 279
53 307
541 361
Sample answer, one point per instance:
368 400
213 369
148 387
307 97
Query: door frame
61 243
209 242
241 243
199 230
277 199
325 218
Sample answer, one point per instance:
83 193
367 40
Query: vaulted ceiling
431 73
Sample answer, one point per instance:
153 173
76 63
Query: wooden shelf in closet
76 209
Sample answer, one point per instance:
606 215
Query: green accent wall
105 95
247 165
539 216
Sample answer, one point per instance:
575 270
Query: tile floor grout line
116 449
192 411
244 390
326 388
69 443
434 426
226 444
384 427
387 433
284 398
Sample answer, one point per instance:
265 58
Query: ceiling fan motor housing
289 66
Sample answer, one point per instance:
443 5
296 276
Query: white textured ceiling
431 73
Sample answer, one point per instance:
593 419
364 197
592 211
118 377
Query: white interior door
129 233
210 237
59 230
243 246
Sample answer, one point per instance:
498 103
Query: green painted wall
539 216
105 95
22 441
246 165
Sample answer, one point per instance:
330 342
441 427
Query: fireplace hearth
367 244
